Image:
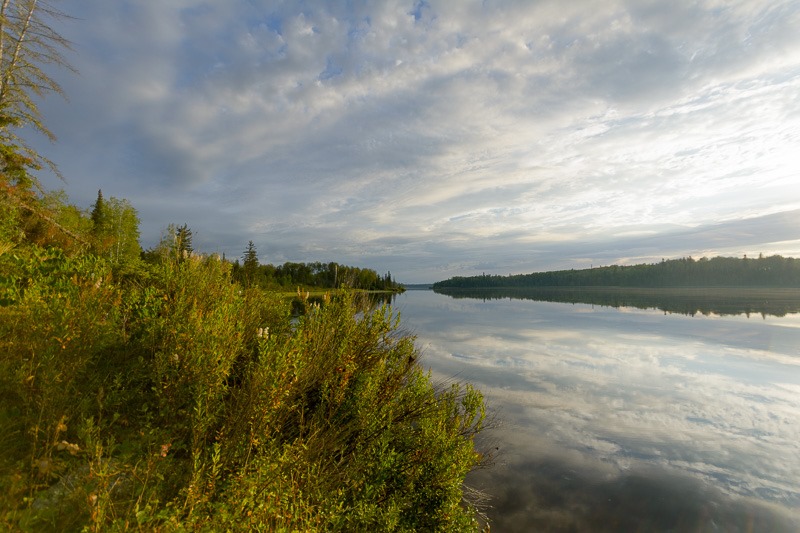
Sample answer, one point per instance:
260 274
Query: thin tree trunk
12 64
47 218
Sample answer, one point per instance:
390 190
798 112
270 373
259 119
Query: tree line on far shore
317 274
773 271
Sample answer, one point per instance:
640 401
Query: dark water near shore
636 417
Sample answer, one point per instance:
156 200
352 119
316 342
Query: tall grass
178 400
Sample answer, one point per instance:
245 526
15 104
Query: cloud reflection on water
689 418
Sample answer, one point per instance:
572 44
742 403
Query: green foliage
175 246
377 445
249 264
15 191
115 231
175 399
57 224
183 241
36 216
58 315
98 212
309 275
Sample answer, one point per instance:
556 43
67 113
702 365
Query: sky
434 139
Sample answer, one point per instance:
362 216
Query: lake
626 418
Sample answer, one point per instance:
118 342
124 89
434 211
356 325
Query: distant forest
290 275
773 271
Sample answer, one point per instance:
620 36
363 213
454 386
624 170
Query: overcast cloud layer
440 138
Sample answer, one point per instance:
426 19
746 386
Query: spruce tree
183 242
250 263
98 210
99 229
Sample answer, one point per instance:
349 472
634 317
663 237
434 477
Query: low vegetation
166 396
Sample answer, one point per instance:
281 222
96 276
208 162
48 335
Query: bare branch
27 43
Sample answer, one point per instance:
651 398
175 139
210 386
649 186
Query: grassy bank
173 399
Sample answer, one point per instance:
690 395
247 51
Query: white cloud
710 398
463 128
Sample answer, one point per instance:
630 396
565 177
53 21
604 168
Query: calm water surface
625 419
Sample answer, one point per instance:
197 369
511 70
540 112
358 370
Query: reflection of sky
714 398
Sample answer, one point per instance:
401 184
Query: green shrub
174 399
337 427
59 316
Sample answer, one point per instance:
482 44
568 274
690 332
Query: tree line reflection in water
687 301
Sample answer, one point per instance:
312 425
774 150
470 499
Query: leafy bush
59 316
174 399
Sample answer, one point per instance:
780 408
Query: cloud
709 401
456 129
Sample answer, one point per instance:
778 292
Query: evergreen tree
98 223
250 263
98 210
100 231
183 242
250 257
